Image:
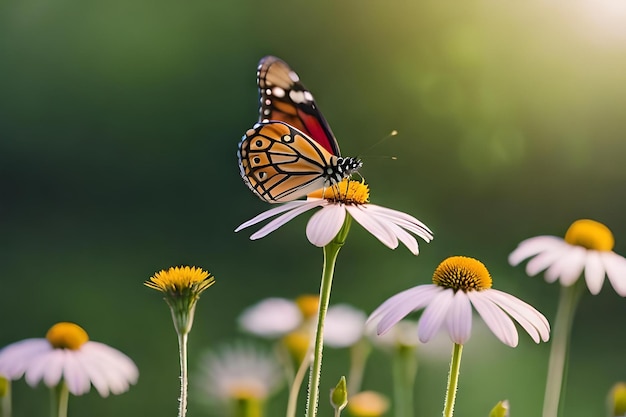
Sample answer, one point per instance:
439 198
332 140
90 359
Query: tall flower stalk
181 288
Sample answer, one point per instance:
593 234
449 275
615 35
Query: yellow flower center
617 399
590 234
308 305
66 335
297 343
462 273
368 404
347 191
181 279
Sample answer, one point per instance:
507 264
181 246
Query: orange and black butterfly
291 151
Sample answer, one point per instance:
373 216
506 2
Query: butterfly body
291 152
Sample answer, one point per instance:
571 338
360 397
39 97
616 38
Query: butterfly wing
285 99
280 163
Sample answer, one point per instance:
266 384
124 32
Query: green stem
292 402
404 370
330 258
559 351
5 407
453 380
248 407
182 349
359 353
59 400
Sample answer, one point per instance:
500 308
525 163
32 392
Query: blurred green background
119 123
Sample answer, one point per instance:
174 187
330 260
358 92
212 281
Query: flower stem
330 258
568 300
404 370
182 349
359 353
296 383
453 380
5 400
59 400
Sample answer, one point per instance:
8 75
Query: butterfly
291 151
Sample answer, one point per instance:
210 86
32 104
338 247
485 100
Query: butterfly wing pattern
291 152
284 98
280 163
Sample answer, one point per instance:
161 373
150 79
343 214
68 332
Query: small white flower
403 334
459 284
271 318
344 326
66 354
587 247
348 197
239 371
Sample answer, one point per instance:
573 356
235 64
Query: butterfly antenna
381 140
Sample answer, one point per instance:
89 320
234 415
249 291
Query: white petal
325 224
369 222
533 246
459 319
405 237
531 320
47 367
594 272
616 271
434 315
499 322
271 317
545 259
117 369
281 220
404 220
400 305
273 212
568 267
14 358
344 326
74 375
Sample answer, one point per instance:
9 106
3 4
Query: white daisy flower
344 326
240 371
458 284
348 197
67 355
587 247
275 317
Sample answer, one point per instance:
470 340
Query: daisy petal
531 320
533 246
372 225
403 236
289 215
400 305
616 271
459 318
568 267
434 315
594 272
499 322
325 224
404 220
15 357
271 213
545 259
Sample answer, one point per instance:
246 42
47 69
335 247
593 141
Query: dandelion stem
330 258
559 351
182 348
404 370
453 380
60 397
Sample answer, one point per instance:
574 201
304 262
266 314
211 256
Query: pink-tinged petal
116 371
531 320
274 212
325 224
568 267
95 371
594 272
434 315
403 220
533 246
459 319
545 259
499 322
288 216
76 378
403 236
369 223
400 305
15 357
616 271
47 367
